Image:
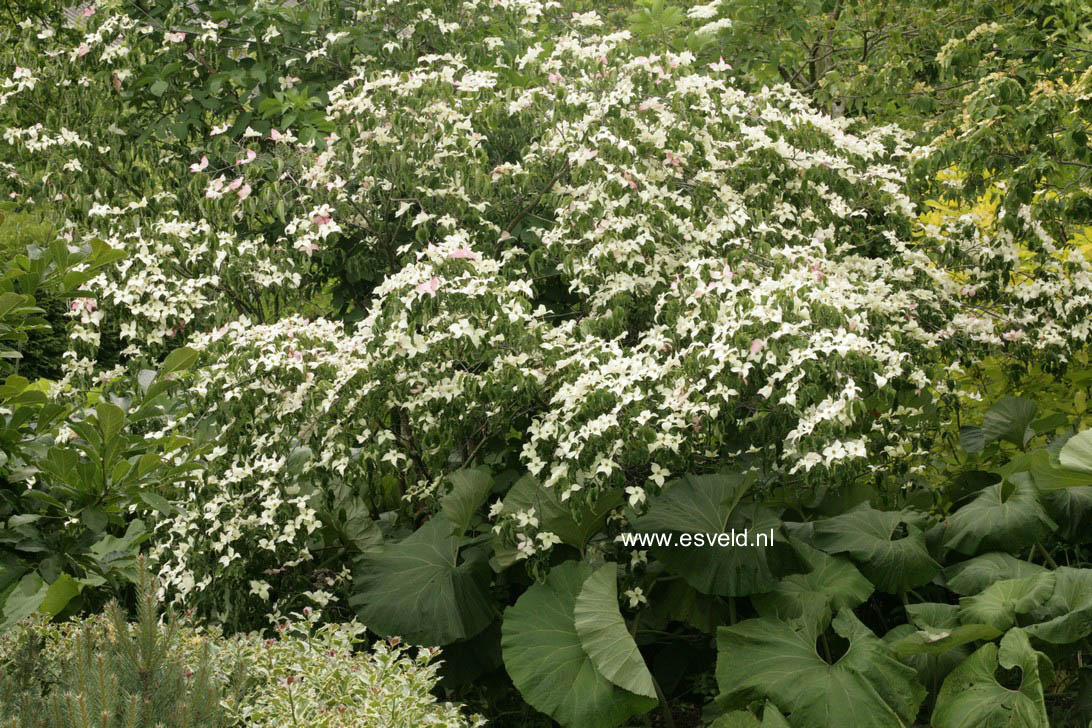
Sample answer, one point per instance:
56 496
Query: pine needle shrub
118 675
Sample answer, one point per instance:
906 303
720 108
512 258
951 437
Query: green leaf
158 88
357 526
1010 419
604 636
1067 615
709 505
470 488
547 663
178 360
1071 509
419 590
1003 517
931 669
1076 454
736 719
111 419
888 546
972 439
24 600
938 630
297 459
94 519
9 301
832 584
557 517
999 603
939 641
974 575
113 554
866 688
59 594
1049 475
973 698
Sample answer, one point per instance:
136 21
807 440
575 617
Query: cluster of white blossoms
644 267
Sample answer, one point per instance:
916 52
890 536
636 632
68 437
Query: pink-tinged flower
83 304
1013 335
275 135
629 180
235 183
758 345
463 254
83 50
244 192
555 78
430 287
200 166
251 155
176 37
642 107
321 220
89 11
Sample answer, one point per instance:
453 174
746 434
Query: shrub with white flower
564 257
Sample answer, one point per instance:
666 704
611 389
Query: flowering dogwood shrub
643 267
510 235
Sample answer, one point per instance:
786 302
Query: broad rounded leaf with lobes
421 590
812 598
867 687
1007 516
973 575
548 664
887 546
999 604
971 696
710 505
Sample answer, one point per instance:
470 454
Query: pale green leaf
973 698
547 663
867 687
604 636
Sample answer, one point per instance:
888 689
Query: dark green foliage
20 232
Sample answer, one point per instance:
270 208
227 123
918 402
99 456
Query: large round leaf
888 546
1049 475
548 664
998 604
972 697
1009 419
832 584
1067 615
556 517
419 590
469 489
604 636
1003 517
710 505
1076 454
973 575
1071 509
938 630
866 688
